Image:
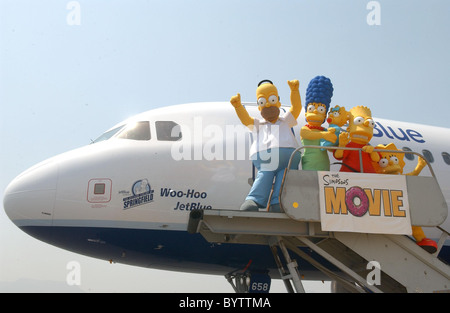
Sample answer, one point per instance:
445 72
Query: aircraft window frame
165 131
428 155
108 134
408 156
99 188
446 157
139 131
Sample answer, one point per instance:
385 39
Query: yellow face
316 113
338 116
268 102
267 95
361 125
390 163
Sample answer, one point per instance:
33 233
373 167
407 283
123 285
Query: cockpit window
136 131
168 131
108 134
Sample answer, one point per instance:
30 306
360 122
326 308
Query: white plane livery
127 196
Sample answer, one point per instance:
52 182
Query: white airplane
126 197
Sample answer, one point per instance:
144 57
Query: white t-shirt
278 135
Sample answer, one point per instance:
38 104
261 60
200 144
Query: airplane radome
127 196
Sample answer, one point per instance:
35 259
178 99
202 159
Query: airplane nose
29 199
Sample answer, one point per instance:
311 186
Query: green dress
314 159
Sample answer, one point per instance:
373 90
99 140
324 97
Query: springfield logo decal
142 194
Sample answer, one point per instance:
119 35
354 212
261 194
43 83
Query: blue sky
62 85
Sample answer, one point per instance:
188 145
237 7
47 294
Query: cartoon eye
262 101
394 160
273 99
371 123
311 108
321 109
383 163
336 114
358 120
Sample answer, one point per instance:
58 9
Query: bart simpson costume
393 163
358 135
273 142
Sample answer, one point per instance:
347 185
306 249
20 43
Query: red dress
351 158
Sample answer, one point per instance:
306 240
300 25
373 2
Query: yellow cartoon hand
421 163
330 135
236 100
343 139
368 149
375 156
294 84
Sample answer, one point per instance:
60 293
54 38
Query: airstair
365 261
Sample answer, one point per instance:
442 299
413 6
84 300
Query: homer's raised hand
294 84
236 100
296 102
241 112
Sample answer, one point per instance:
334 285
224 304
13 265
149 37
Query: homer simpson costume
273 142
393 163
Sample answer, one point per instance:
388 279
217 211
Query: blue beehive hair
320 90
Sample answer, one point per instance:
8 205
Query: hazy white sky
62 84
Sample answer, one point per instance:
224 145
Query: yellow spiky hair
391 146
361 111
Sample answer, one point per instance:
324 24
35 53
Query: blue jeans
270 164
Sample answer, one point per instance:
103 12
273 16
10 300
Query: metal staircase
401 264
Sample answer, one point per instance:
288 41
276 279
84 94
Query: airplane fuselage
127 198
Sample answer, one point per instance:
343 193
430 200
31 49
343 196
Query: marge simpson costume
318 98
273 142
